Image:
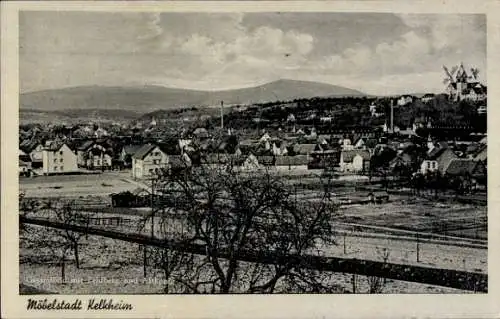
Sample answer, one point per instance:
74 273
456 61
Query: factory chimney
392 116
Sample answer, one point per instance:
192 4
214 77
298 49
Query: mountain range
150 98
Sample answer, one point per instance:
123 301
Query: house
354 161
81 152
466 167
34 149
359 143
279 148
482 109
100 132
250 163
292 163
126 154
437 159
265 137
323 139
58 158
428 97
402 162
405 99
346 144
92 155
24 165
185 145
147 160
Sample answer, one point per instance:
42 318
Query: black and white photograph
248 152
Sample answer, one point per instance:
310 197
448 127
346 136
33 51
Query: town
405 136
402 173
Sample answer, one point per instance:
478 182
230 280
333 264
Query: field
365 230
76 185
110 266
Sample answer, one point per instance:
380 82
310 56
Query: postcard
249 159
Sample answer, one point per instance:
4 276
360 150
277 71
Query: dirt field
422 215
76 185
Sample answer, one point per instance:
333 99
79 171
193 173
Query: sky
377 53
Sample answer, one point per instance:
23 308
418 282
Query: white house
405 99
354 161
438 159
58 158
94 156
251 163
147 160
347 144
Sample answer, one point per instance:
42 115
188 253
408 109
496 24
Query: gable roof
445 158
54 146
144 151
28 145
348 156
131 149
462 167
481 154
24 159
86 145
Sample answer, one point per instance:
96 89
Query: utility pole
222 114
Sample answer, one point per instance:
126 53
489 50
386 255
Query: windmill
475 73
449 74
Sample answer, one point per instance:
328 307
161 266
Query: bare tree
233 213
67 213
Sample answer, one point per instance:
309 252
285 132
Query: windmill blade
447 72
474 72
454 69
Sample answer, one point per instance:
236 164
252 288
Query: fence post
353 283
345 248
144 260
418 248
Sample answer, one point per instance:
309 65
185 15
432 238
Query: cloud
222 50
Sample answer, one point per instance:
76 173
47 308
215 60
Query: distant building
126 154
426 98
24 165
34 150
147 160
354 161
58 158
437 159
404 100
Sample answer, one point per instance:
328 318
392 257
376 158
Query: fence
434 276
